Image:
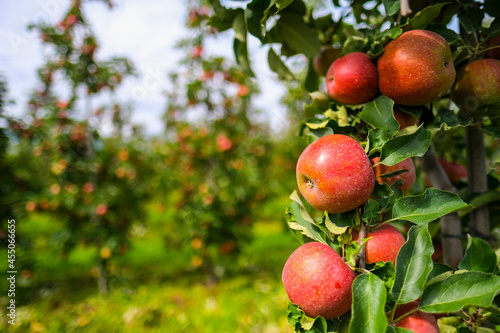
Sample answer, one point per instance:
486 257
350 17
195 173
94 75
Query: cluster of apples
415 69
335 175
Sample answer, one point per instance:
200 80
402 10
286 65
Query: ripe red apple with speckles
317 279
334 174
416 68
384 244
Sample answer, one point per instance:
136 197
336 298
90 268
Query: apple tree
218 153
77 157
435 107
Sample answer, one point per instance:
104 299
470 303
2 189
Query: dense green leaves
464 288
368 315
427 207
297 35
413 265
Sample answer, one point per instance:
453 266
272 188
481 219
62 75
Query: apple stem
477 178
451 227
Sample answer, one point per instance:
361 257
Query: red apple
478 87
416 68
352 79
324 60
334 174
407 177
455 171
384 244
418 322
317 279
404 119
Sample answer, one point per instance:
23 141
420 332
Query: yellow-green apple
404 118
418 321
323 61
317 279
478 87
416 68
352 79
383 244
334 174
408 177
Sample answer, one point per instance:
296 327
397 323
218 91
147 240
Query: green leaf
427 207
315 134
413 265
278 66
311 82
391 7
240 43
320 102
256 15
299 219
402 147
491 7
459 290
299 37
282 4
371 213
304 324
471 18
448 34
223 18
338 223
479 256
379 114
391 329
425 16
438 269
368 302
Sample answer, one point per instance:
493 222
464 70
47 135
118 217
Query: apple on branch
383 244
416 68
352 79
334 174
318 280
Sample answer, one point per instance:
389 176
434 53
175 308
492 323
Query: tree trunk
451 228
476 167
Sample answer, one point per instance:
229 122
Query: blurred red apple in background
324 60
478 87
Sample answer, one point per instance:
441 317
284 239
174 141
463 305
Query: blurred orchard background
146 172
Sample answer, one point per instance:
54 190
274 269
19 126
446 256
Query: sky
143 31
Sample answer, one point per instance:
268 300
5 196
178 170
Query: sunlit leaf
427 207
464 288
402 147
368 302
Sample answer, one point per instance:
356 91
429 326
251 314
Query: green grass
153 288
